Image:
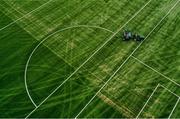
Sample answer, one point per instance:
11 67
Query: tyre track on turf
89 57
127 58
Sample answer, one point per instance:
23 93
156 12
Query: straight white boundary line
155 71
33 51
128 58
90 57
25 15
147 101
169 91
174 108
159 85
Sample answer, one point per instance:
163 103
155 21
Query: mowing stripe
155 71
90 57
128 58
153 94
174 108
25 15
33 51
147 101
169 91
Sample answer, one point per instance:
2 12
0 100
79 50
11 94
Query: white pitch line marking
147 101
155 70
169 91
25 15
153 94
174 108
30 56
90 57
127 58
20 19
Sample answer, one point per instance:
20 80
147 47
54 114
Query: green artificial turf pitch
73 32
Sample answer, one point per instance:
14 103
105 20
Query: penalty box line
174 108
155 70
128 58
90 57
176 101
169 91
147 101
159 85
25 15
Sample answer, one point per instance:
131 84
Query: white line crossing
90 57
159 85
155 71
33 51
128 58
147 101
169 90
25 15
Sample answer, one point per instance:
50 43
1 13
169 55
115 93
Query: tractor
128 35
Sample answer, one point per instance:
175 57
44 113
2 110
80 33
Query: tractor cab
127 35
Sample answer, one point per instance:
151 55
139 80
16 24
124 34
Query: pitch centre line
127 58
90 57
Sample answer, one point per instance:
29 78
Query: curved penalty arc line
30 56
